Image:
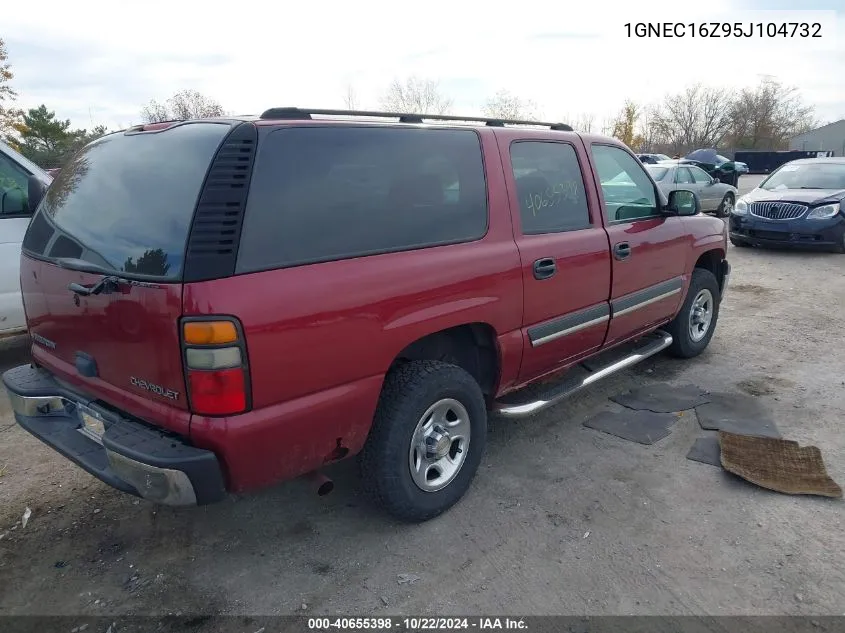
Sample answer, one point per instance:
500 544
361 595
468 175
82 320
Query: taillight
216 366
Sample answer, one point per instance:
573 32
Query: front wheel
693 326
739 243
427 440
726 206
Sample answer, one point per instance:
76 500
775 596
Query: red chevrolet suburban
222 304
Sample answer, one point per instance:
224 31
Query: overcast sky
95 62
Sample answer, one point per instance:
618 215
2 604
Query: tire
840 247
684 343
409 393
726 206
739 243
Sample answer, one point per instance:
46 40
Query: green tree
46 140
9 115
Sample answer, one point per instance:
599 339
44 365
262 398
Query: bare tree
185 104
582 123
505 105
698 117
415 95
607 125
649 130
351 98
765 117
154 112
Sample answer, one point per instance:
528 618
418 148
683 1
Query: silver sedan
716 197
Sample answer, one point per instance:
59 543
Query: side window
14 186
700 176
549 187
628 192
328 193
683 176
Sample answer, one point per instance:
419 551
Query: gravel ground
560 520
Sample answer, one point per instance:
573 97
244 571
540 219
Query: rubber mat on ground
706 450
777 464
736 413
663 398
643 427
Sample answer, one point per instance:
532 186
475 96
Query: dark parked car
799 205
714 164
222 304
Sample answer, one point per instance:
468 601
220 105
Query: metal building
828 137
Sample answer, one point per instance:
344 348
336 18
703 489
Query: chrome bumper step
534 399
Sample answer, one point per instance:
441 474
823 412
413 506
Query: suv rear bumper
129 456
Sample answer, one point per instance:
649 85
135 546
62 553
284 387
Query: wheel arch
471 346
713 260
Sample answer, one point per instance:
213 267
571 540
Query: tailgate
102 267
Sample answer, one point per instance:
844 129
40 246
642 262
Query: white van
15 213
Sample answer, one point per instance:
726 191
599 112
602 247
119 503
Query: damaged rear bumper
123 452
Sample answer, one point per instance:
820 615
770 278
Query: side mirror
683 202
12 202
714 181
35 192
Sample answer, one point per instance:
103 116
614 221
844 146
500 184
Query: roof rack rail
405 117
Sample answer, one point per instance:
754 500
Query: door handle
544 268
622 250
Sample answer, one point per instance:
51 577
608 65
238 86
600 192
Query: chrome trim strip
570 330
645 303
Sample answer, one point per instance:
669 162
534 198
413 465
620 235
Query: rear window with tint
126 201
326 193
658 173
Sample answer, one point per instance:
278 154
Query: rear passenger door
563 250
649 249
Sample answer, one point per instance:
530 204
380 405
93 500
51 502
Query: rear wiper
109 283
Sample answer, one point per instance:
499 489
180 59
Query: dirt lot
561 519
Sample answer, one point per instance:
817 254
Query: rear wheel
693 326
726 207
427 440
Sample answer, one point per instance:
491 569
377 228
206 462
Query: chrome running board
533 399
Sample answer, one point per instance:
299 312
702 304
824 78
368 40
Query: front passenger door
649 249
